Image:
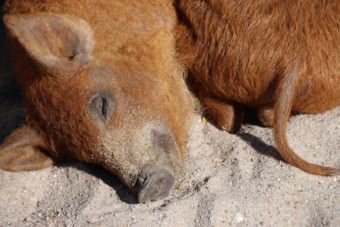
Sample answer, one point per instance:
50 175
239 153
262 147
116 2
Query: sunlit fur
134 58
274 55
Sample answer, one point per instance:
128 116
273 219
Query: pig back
246 47
115 23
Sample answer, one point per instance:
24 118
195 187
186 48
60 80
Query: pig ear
22 150
55 42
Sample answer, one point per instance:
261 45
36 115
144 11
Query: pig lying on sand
103 81
101 84
277 57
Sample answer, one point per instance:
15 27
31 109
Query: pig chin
147 161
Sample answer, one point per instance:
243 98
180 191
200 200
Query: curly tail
287 92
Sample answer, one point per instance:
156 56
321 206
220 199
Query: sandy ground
231 180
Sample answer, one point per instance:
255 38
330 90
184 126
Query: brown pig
98 80
278 57
103 80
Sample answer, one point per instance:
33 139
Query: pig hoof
219 120
224 118
224 115
154 185
266 116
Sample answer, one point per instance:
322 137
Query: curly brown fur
102 84
246 50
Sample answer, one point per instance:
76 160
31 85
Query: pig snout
154 184
148 165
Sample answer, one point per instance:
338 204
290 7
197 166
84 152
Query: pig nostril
154 185
141 181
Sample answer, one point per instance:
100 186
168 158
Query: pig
101 83
276 57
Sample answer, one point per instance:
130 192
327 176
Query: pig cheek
126 153
113 152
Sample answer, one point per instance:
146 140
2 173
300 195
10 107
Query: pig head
125 111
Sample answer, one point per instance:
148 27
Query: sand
230 180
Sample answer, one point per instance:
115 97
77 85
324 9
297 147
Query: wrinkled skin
101 86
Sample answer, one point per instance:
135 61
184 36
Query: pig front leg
23 150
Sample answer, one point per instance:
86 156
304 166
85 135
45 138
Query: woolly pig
101 84
278 57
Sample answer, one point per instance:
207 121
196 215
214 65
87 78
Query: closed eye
101 106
